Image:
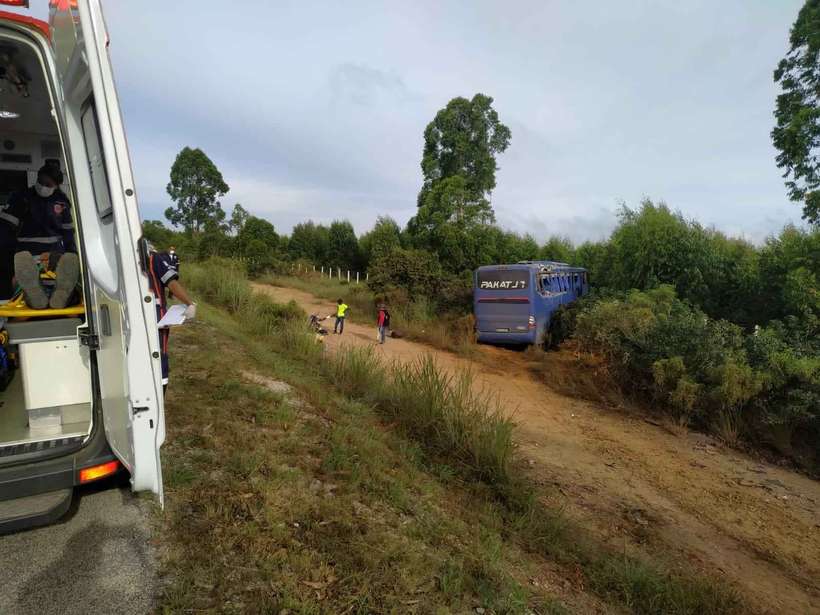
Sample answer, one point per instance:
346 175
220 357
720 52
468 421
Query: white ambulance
83 396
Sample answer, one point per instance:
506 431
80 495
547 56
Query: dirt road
682 497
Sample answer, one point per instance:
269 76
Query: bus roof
545 266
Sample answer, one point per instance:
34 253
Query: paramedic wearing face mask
163 274
36 226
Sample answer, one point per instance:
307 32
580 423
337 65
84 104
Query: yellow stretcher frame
17 308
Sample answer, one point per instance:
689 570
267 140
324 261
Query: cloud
318 110
364 85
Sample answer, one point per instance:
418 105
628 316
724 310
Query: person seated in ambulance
36 227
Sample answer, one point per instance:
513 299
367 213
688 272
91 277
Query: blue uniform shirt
39 224
162 272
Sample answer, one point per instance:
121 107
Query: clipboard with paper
173 317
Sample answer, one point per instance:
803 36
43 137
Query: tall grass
225 283
466 428
445 412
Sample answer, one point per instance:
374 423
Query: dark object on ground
396 334
314 324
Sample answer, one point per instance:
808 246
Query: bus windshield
503 279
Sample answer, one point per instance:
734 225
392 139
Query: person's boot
28 277
68 274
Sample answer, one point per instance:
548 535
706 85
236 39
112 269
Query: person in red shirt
383 322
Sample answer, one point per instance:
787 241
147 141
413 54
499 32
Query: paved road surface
98 559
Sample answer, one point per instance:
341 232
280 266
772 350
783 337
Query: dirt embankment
683 497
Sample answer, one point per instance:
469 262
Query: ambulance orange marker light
98 472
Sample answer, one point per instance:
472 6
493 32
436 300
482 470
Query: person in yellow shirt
341 310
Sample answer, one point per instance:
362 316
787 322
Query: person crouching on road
341 310
383 322
163 274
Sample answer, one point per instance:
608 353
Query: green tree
213 241
343 247
653 246
384 237
416 272
512 248
309 241
157 233
595 257
464 139
796 134
558 249
256 231
790 274
452 224
196 185
239 216
458 165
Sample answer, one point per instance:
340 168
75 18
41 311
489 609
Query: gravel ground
97 559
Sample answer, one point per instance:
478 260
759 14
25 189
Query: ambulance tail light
99 471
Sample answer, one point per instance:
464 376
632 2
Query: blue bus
513 304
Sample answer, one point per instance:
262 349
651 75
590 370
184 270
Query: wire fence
331 272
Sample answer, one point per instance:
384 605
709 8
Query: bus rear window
510 279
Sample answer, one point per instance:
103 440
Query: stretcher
16 307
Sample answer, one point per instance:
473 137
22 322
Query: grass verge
463 439
300 501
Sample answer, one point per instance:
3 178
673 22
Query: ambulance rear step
34 510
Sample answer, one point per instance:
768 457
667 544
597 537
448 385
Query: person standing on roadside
163 275
172 254
383 322
341 310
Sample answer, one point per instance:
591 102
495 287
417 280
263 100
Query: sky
317 109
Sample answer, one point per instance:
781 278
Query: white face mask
43 191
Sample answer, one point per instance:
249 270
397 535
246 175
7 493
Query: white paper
174 316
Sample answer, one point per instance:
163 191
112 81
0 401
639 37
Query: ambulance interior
45 374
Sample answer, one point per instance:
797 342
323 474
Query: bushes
417 272
762 386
